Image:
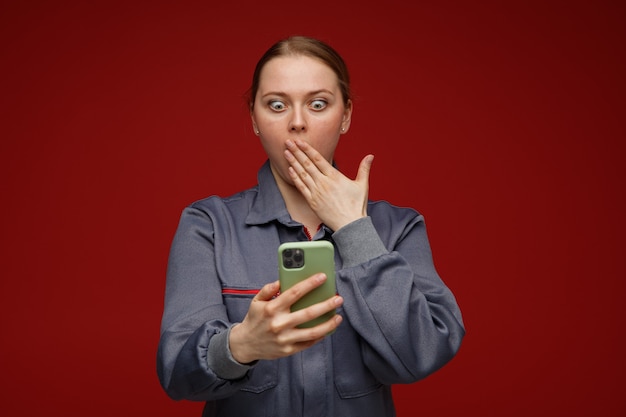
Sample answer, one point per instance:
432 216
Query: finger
316 310
293 294
365 167
268 292
312 161
297 171
315 334
304 167
292 334
319 161
300 184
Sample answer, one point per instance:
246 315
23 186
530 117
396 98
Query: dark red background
502 123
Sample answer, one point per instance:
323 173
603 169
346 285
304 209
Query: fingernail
321 277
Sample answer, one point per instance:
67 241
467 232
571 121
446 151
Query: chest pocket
244 265
247 261
237 305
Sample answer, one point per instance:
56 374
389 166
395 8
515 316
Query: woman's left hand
336 199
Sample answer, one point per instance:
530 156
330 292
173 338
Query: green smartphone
298 261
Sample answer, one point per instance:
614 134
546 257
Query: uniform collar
268 205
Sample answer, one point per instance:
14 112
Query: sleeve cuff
358 242
220 360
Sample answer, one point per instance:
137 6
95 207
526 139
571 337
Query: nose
298 121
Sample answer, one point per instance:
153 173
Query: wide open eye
277 105
318 104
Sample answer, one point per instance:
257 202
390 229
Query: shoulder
392 222
238 203
382 211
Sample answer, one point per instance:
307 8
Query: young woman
228 337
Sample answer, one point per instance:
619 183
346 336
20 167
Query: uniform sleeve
193 361
408 320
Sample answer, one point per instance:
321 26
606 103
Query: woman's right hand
269 329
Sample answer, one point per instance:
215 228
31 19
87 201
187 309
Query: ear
347 117
255 129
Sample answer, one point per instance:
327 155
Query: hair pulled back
311 47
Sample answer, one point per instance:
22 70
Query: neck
296 204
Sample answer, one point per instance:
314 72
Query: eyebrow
311 93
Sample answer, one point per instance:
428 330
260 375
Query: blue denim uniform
401 322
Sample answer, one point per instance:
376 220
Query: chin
281 173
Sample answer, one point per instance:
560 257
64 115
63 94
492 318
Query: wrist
238 347
344 222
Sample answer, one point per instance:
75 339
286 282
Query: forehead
293 74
